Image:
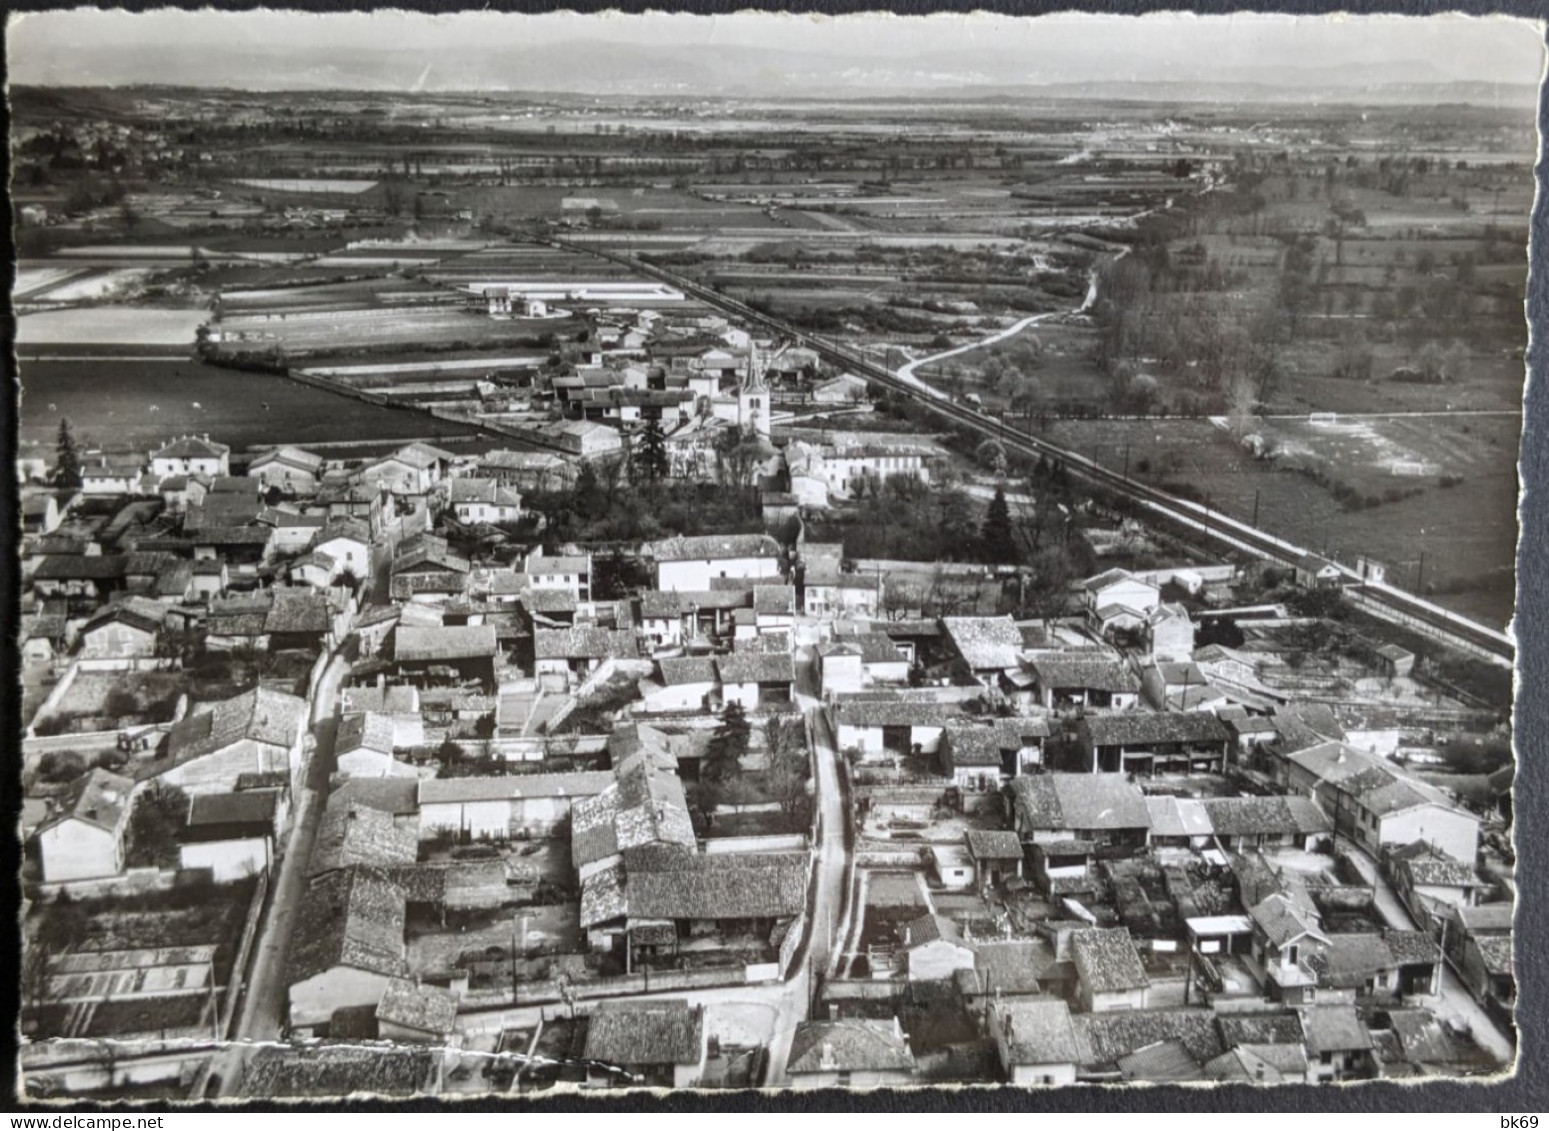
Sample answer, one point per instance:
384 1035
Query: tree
651 461
588 493
67 463
996 539
992 455
785 741
723 756
156 826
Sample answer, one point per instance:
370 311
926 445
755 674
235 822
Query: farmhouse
985 646
123 629
980 757
685 684
1118 599
416 1014
756 679
364 747
527 471
568 573
568 655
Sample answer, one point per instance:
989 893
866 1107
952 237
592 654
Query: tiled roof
711 547
354 917
892 712
398 796
1080 802
985 642
332 1071
1093 672
1104 1038
1164 1060
627 1033
358 834
1138 727
1282 921
583 643
719 886
993 844
756 667
1334 1028
687 670
427 1009
849 1046
1106 960
191 447
1265 816
252 807
1036 1032
364 731
448 791
98 798
262 715
1178 816
446 642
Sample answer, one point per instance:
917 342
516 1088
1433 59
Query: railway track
1380 600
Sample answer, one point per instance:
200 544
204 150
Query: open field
1467 532
109 404
110 325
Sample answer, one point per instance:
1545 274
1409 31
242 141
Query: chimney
828 1054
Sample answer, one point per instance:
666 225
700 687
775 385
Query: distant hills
611 68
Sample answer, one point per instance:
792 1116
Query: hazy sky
87 46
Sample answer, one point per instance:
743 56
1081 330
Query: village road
262 1017
1455 1002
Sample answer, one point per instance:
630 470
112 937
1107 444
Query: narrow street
818 951
262 1016
1454 1003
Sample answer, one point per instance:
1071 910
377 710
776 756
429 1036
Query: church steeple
753 397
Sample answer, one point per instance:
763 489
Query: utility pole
1420 576
1126 461
1255 521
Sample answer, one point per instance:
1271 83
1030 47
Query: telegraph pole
1255 522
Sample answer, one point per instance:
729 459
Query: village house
1181 686
756 679
879 728
1479 940
984 646
996 855
1109 973
1169 633
586 439
845 388
1035 1041
446 654
569 573
835 593
981 757
1380 804
1286 933
259 731
292 471
41 513
565 657
685 684
934 948
83 836
191 455
1339 1045
1142 742
1062 681
850 1053
526 471
1431 884
364 747
1067 820
291 532
79 575
661 1043
347 947
503 808
882 664
231 834
122 630
1240 824
483 501
1118 600
1315 572
689 563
